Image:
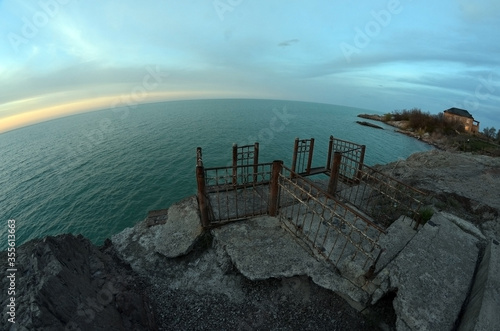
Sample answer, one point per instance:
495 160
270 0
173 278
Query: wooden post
310 158
201 195
360 164
329 156
274 188
235 164
334 174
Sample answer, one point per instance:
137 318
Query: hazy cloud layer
379 55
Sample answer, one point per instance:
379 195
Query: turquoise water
98 173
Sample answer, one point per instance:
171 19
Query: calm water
101 172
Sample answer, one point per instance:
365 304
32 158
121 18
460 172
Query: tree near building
489 132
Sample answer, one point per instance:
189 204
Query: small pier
339 219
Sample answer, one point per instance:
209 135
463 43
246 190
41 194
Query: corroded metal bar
329 156
295 153
334 174
360 164
235 164
274 187
201 195
255 161
199 158
309 160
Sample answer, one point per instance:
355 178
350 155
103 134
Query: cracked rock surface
463 184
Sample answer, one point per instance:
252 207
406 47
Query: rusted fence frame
201 195
348 148
303 148
274 191
281 181
230 202
315 190
372 184
245 155
308 196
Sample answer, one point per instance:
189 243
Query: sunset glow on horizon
30 117
66 56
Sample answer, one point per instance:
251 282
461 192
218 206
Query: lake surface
100 172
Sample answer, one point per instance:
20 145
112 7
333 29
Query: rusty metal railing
336 231
232 193
242 156
302 156
342 221
237 197
378 195
354 152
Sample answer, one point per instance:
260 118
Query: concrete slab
261 249
175 237
432 276
181 230
337 233
465 226
395 240
482 311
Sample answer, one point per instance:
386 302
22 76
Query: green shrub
424 121
425 215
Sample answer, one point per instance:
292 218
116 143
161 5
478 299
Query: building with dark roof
463 116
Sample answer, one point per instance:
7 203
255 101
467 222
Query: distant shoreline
400 127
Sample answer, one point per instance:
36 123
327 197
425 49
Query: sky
60 57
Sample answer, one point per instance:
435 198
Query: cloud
428 56
480 10
287 43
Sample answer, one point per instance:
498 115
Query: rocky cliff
66 283
167 273
464 184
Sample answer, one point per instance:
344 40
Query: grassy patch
425 214
468 144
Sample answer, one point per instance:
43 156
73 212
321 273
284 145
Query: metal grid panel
234 197
353 151
332 229
303 150
349 169
245 156
346 148
380 196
